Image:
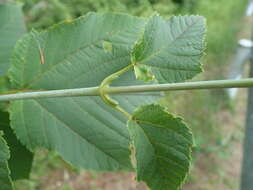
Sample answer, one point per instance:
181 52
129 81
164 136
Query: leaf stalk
106 84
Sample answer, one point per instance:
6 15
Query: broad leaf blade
20 162
11 28
5 179
74 52
172 48
84 130
162 147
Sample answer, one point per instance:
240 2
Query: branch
94 91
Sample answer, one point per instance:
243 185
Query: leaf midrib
157 156
68 127
160 126
152 142
171 43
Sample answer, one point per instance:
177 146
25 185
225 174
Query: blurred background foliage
209 113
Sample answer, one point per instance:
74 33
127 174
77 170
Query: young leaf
5 179
11 28
171 48
143 72
20 162
162 147
83 130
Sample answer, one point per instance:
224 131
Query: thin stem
94 91
120 109
106 84
114 76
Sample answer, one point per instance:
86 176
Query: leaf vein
76 133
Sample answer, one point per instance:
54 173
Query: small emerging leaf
162 144
143 72
107 46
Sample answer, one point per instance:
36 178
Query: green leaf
11 28
5 179
5 86
143 72
162 147
172 48
83 130
20 162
